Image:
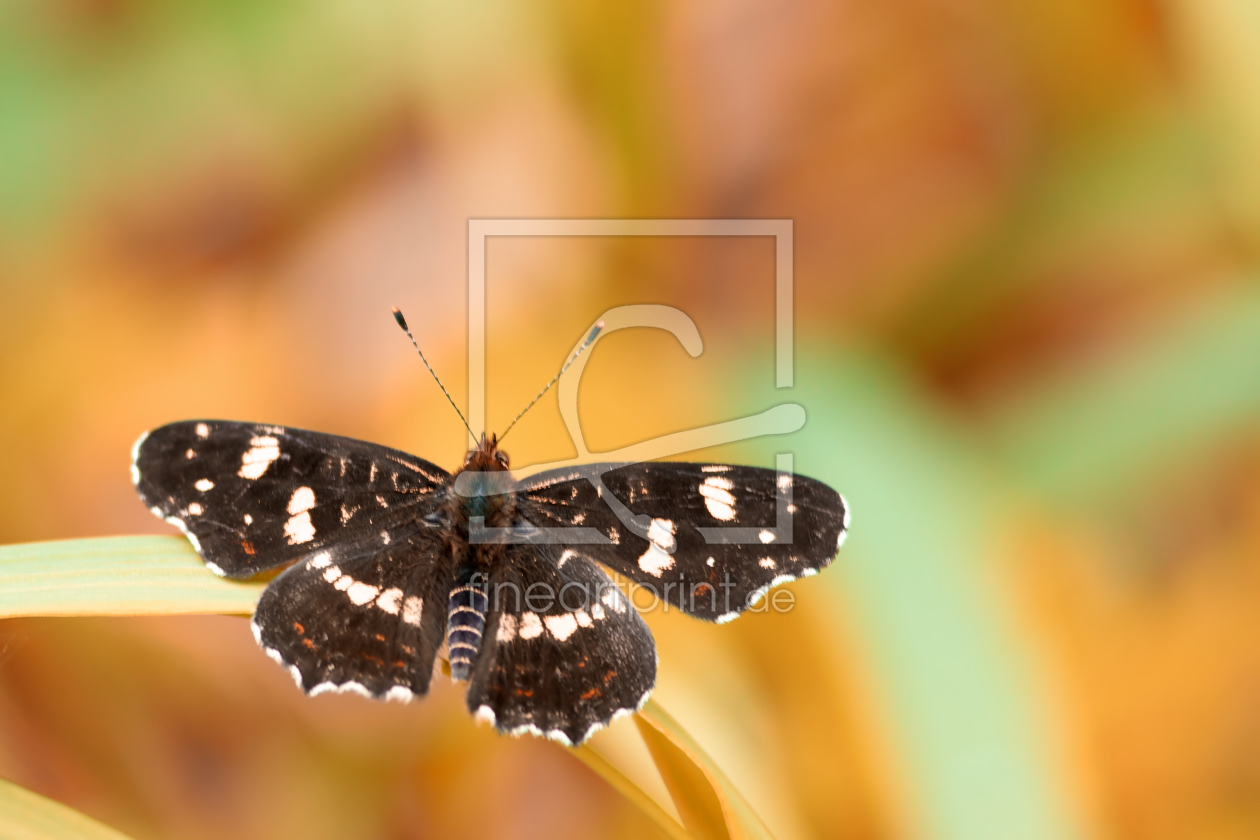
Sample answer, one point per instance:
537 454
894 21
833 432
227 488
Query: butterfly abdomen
465 622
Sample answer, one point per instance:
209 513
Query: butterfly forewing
564 651
709 538
252 497
360 616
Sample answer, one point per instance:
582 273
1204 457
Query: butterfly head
487 457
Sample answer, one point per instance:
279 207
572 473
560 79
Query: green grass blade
29 816
115 576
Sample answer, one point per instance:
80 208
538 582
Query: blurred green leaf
115 576
917 576
28 816
1100 431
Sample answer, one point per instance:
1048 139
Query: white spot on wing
400 693
412 608
262 451
597 612
715 468
249 520
389 600
710 562
195 509
656 560
561 626
785 481
203 430
506 631
135 456
343 583
568 555
332 574
216 568
484 714
181 525
766 536
613 600
204 485
766 562
718 498
302 499
661 532
319 561
361 593
299 528
582 618
531 626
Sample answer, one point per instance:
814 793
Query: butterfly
390 558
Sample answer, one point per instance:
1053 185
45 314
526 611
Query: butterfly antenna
402 322
590 339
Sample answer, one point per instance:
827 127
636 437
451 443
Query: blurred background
1027 236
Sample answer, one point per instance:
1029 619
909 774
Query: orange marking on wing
523 692
309 643
609 676
379 637
299 628
594 692
248 546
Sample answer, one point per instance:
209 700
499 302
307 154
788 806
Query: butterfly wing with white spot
251 497
360 616
711 539
564 651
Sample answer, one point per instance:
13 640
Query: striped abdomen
465 621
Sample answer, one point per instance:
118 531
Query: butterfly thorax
473 563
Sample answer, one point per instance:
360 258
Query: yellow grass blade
708 803
29 816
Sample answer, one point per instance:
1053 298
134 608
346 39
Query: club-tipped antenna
590 339
402 322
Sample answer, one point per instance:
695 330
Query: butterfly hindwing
252 497
360 616
564 652
709 538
